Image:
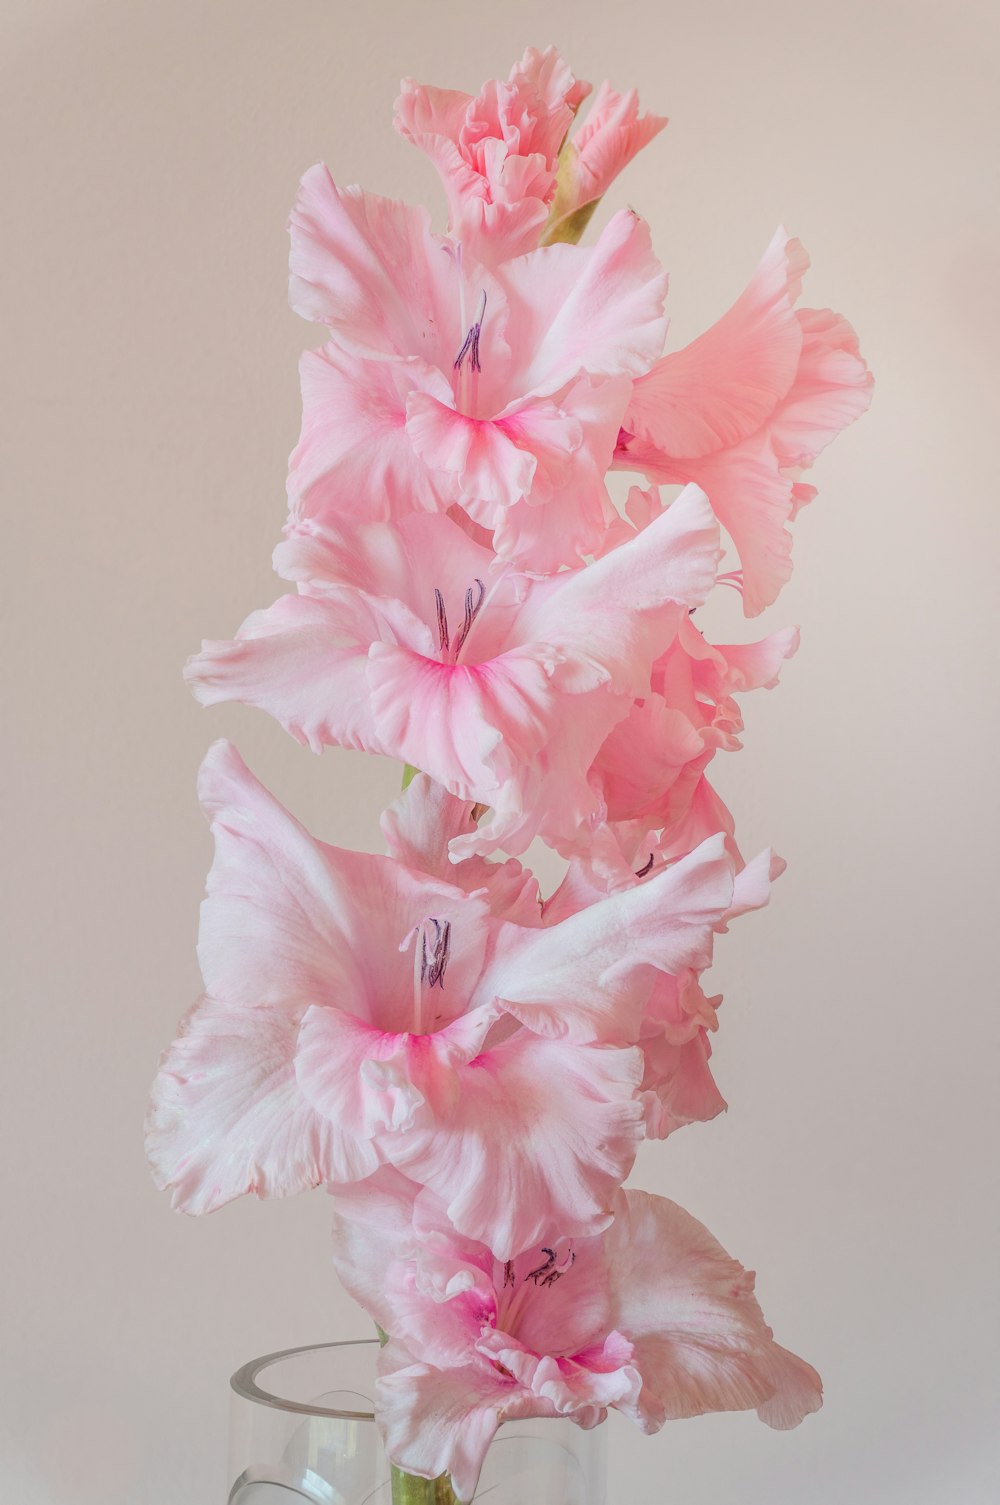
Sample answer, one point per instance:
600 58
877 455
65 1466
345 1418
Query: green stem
407 1489
409 774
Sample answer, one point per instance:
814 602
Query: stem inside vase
407 1489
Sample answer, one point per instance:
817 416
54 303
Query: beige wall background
152 150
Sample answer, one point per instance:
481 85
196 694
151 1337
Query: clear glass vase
303 1430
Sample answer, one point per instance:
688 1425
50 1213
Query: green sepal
566 225
570 227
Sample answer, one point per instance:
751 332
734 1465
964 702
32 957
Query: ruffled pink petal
623 611
540 1136
304 661
612 134
756 666
678 1087
354 457
226 1116
740 411
558 91
571 524
572 1389
705 813
280 905
832 388
425 110
568 513
370 268
752 500
551 796
496 203
588 977
701 676
722 387
798 1391
399 565
644 758
499 231
424 1284
290 920
370 1082
752 888
649 765
475 455
468 725
418 828
700 1339
436 1422
372 1229
596 309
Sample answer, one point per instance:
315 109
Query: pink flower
416 642
677 1087
612 134
652 763
651 1317
497 152
746 407
501 391
359 1012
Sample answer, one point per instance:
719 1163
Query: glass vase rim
244 1382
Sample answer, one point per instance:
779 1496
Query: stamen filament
467 373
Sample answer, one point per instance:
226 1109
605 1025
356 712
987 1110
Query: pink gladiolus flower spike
359 1012
651 1318
467 1066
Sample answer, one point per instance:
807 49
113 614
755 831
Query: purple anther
544 1269
641 872
558 1271
442 617
472 609
470 346
434 960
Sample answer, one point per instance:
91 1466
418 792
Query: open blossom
651 1317
677 1087
414 641
500 390
358 1012
496 151
746 407
612 134
652 763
